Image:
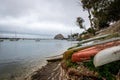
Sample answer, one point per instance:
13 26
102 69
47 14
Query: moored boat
37 40
1 40
107 55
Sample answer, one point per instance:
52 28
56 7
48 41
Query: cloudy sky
44 17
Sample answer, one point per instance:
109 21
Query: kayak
94 38
54 58
68 53
106 56
85 54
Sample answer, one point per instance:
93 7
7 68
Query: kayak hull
84 54
106 56
92 51
67 54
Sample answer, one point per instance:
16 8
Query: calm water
20 58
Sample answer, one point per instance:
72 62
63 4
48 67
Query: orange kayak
85 54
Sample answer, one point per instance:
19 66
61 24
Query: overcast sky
44 17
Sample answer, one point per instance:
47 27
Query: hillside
114 28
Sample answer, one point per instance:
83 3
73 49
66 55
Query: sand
48 72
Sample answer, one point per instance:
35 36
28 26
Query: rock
59 37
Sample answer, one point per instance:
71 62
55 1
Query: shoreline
48 71
52 71
30 63
54 58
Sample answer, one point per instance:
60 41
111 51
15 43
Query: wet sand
48 72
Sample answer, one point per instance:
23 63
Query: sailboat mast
15 34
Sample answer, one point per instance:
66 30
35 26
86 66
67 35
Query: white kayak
94 38
106 56
54 58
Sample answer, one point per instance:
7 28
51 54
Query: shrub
69 63
107 71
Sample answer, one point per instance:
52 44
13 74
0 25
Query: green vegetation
68 54
73 36
69 63
113 36
101 14
80 21
106 71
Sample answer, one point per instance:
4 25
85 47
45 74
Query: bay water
21 58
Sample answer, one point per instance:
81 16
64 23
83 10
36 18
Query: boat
85 54
54 58
94 38
107 56
1 40
37 40
75 49
14 39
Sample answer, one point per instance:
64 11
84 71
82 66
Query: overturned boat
85 54
106 56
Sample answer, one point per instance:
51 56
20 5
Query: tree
114 11
80 21
87 5
101 12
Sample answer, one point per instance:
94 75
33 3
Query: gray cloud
41 16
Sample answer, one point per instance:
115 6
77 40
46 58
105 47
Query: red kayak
87 53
